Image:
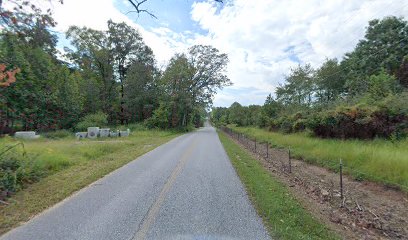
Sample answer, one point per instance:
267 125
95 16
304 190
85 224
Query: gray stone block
80 135
26 135
93 132
104 132
124 133
114 134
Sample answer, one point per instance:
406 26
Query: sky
263 38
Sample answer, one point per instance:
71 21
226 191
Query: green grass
282 213
376 160
72 165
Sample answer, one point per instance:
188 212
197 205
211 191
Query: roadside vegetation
106 78
378 160
363 96
52 169
354 109
283 215
111 73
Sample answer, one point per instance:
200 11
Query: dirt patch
367 211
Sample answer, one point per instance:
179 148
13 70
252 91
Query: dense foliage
110 73
16 169
363 96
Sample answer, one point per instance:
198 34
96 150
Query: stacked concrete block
114 134
93 132
26 135
81 135
104 132
124 133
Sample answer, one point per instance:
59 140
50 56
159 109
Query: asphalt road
185 189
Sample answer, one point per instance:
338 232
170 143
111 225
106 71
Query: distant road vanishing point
185 189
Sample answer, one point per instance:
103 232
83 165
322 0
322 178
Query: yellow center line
154 210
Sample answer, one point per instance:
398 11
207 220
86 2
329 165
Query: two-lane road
185 189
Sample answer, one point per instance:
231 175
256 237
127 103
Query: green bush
58 134
364 119
16 169
276 124
286 125
299 125
160 118
8 181
361 122
98 119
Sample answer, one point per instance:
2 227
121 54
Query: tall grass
376 160
53 155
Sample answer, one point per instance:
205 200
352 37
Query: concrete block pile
26 135
95 132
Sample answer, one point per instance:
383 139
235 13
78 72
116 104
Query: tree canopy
113 72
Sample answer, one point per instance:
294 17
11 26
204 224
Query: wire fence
281 159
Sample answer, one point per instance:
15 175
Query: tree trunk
122 92
184 120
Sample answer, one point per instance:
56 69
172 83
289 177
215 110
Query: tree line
111 74
364 95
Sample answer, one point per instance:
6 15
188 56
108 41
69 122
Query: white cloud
261 37
95 14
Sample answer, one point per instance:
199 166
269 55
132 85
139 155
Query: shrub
160 118
58 134
16 169
8 182
286 125
299 125
98 119
361 122
273 124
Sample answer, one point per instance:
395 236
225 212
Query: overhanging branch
138 10
137 6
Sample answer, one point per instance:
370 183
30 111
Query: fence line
266 152
283 158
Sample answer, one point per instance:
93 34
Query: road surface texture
185 189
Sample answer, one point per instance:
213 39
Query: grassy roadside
378 160
281 212
73 165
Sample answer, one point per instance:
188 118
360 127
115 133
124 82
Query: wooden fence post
341 180
267 150
290 162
